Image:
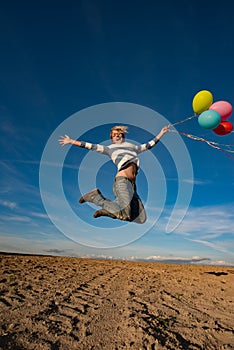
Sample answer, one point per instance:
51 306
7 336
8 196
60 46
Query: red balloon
224 128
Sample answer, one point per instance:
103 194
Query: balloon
224 128
224 108
202 101
209 119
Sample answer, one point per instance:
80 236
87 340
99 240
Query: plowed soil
83 304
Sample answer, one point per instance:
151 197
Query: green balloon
209 119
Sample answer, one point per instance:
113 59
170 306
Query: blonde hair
120 128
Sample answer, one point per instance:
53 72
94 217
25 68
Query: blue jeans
127 205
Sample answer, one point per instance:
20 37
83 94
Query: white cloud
208 226
219 263
208 221
8 204
190 181
51 164
15 218
221 246
176 259
39 215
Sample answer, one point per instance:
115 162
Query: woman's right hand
65 140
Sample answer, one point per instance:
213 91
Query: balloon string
184 120
210 143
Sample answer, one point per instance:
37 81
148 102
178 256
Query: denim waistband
117 178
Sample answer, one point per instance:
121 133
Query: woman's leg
127 205
130 204
110 208
138 213
124 192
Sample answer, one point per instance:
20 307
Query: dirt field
83 304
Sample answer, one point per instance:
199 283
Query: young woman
127 205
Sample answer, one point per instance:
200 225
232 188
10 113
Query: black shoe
89 197
103 212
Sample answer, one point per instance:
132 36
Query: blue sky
58 60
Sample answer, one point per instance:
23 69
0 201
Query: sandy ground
69 303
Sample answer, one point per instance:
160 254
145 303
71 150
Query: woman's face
117 136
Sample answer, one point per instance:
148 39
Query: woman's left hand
165 129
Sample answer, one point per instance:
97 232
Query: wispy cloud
36 244
220 246
56 251
209 226
11 131
8 204
193 181
38 215
170 259
15 218
193 260
209 221
8 170
8 128
39 162
16 182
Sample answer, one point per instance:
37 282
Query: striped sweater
122 153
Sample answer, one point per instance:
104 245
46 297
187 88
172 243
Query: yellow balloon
202 101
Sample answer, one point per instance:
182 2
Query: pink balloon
224 108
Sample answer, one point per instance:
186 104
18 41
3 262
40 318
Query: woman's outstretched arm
66 140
